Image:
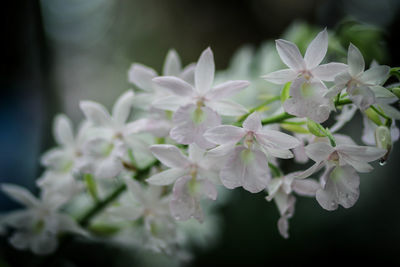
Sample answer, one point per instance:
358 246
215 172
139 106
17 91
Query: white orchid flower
308 67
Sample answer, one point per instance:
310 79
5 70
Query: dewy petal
247 168
62 130
182 204
227 107
141 76
170 156
319 151
204 73
108 168
175 85
341 188
316 50
227 89
290 54
375 75
224 134
166 177
208 189
122 107
277 139
20 195
281 76
328 72
95 113
191 125
172 65
355 60
253 123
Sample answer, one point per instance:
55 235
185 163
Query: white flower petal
172 65
278 153
182 204
108 168
319 151
361 153
277 139
175 85
166 177
313 169
328 72
247 168
224 134
362 96
391 112
20 195
281 76
382 92
341 188
141 76
170 156
355 60
187 73
283 227
227 107
95 113
253 123
316 50
171 102
192 123
375 75
204 73
290 54
122 107
208 189
306 187
227 89
63 131
196 154
44 244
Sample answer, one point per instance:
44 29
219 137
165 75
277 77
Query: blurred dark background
57 52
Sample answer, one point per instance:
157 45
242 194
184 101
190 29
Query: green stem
380 113
277 118
342 102
267 102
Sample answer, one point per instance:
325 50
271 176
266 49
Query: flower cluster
179 138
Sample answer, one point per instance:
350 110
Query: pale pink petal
224 134
63 131
306 187
170 156
316 50
276 139
273 188
221 150
283 227
253 123
319 151
108 168
172 102
313 169
341 188
95 113
362 96
122 108
227 89
191 125
281 76
208 189
290 54
141 76
361 153
328 72
20 195
172 65
227 107
175 85
204 73
278 153
375 75
247 168
355 60
166 177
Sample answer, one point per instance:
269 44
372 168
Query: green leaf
315 128
396 91
91 186
285 92
373 116
294 128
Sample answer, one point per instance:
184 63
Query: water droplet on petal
382 162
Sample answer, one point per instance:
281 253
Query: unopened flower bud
383 140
